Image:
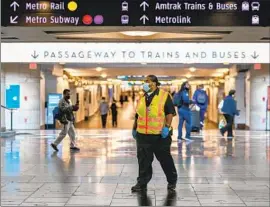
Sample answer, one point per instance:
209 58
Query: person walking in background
133 97
229 110
182 101
114 113
66 117
200 98
104 109
122 100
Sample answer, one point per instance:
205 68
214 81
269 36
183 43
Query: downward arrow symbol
35 55
255 55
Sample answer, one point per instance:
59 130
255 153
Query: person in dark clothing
122 100
182 101
133 97
200 98
114 113
67 119
152 131
229 110
104 109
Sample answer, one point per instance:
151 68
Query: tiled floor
212 171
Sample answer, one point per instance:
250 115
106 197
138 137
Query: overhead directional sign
135 13
135 52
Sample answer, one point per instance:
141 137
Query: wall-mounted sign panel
135 52
135 13
13 96
53 101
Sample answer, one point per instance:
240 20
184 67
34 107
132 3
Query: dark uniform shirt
168 107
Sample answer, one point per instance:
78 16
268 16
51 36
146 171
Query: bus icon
255 6
125 6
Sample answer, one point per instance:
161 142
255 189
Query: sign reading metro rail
135 52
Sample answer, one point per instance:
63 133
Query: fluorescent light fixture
226 63
138 33
99 69
62 63
143 63
192 69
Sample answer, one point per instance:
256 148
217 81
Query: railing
11 116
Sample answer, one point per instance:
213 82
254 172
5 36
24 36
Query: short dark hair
232 92
103 98
154 79
201 85
66 91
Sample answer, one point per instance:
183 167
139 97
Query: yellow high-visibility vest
151 119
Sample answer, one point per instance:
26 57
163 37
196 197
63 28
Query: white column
28 115
240 121
259 81
3 98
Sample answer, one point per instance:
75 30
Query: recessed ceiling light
138 33
104 75
192 69
99 69
144 63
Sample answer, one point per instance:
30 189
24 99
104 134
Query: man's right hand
76 107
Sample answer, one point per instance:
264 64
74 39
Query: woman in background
229 110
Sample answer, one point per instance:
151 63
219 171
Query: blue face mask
146 87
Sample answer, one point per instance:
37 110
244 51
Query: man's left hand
165 132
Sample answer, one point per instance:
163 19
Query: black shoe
222 133
138 188
171 187
75 148
54 147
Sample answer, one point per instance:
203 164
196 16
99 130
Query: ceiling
117 34
173 70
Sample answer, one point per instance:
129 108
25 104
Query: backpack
177 99
201 98
57 114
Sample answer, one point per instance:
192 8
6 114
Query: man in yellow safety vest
152 131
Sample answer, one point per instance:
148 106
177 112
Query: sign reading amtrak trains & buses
135 13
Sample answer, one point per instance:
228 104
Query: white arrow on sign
144 4
13 20
144 18
14 5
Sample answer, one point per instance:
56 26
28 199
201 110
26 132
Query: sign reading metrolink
135 52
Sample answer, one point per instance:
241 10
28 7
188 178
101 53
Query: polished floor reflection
212 171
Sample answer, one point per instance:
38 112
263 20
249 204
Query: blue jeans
184 116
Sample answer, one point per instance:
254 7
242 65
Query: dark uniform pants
147 147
